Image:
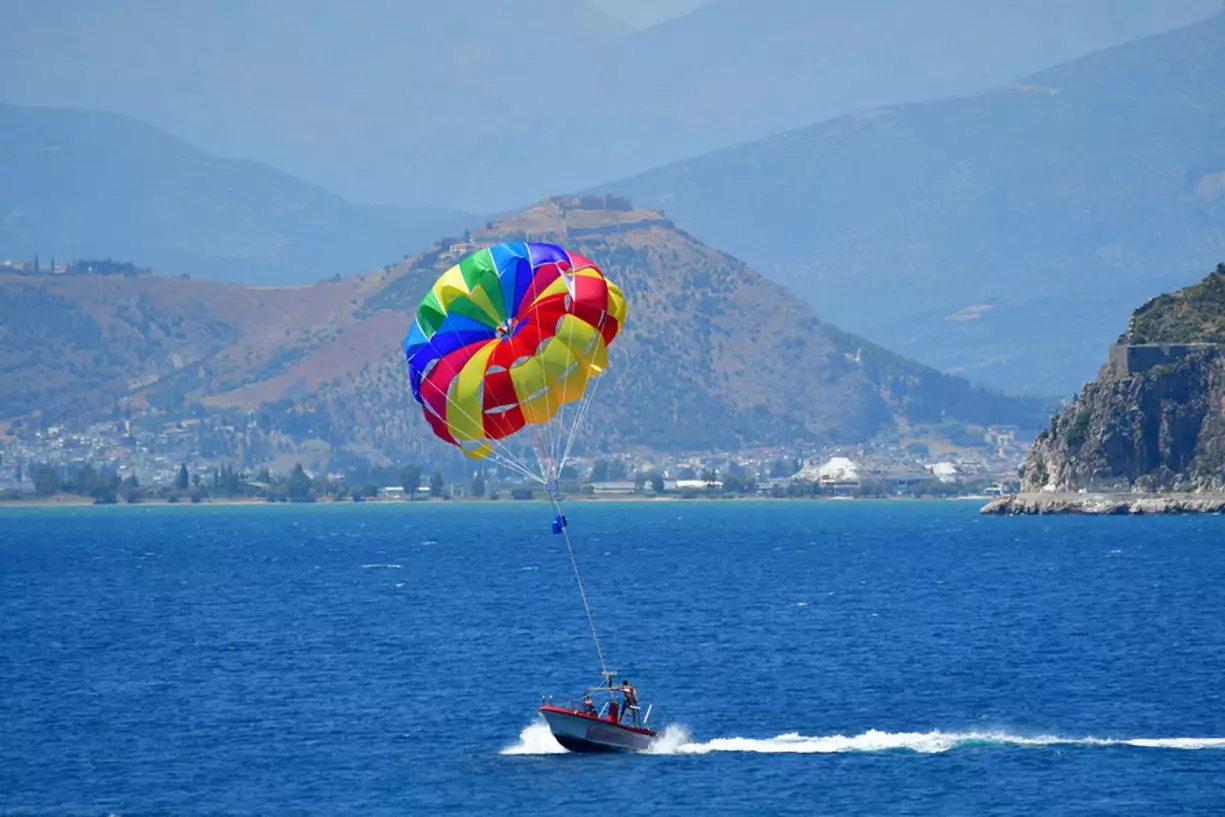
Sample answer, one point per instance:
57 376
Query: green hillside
1194 314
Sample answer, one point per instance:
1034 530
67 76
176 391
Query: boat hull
586 733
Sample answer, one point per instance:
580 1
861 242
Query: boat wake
675 741
537 740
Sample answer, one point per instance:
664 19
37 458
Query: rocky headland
1148 435
1099 504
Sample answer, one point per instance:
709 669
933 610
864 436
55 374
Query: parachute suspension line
584 402
502 454
541 433
565 436
514 466
559 526
619 387
555 444
552 431
559 449
579 416
499 452
542 454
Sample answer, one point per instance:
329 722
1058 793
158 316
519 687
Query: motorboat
586 727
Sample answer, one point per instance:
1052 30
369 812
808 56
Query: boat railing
601 697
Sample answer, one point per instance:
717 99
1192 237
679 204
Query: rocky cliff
1158 425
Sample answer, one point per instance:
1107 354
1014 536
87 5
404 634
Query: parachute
504 341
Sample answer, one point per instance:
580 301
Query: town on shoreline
835 480
119 463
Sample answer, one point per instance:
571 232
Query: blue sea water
826 658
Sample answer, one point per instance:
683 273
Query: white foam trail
675 741
535 739
1163 743
385 566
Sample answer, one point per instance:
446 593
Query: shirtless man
630 700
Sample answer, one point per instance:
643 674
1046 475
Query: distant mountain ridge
713 357
486 105
999 235
83 184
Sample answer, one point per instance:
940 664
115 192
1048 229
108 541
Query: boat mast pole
559 526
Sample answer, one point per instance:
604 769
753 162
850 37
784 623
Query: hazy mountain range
78 184
485 105
1003 235
1000 235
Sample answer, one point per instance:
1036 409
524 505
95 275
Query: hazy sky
643 13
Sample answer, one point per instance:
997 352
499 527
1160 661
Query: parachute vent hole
505 329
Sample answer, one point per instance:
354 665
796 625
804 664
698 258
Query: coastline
73 501
1104 504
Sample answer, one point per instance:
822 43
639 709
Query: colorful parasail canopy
508 336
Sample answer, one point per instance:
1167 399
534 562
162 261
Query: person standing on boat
630 701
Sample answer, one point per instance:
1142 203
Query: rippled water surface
807 657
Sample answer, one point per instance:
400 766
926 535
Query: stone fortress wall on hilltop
1136 358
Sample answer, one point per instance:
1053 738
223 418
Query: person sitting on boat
588 706
630 701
